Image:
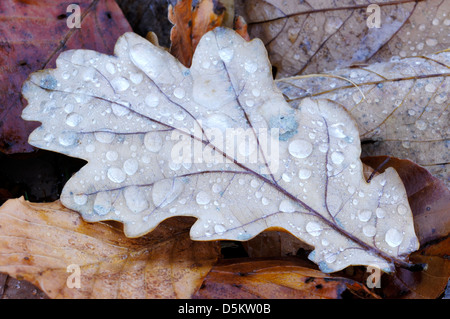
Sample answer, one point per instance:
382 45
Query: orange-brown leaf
190 24
274 279
39 241
240 26
207 15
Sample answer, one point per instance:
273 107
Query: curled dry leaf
401 106
40 241
33 34
304 37
162 140
274 279
190 24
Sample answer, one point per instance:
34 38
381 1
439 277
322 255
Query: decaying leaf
190 24
401 106
217 142
33 34
274 244
305 37
275 278
46 243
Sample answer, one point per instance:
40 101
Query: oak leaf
400 106
45 243
315 36
429 200
136 116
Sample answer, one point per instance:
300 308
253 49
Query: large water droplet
226 54
393 237
287 206
250 66
380 212
135 199
254 183
304 173
300 148
219 229
337 130
110 68
130 166
401 209
73 119
102 203
151 100
136 78
112 156
89 74
220 121
179 115
80 199
120 84
369 230
104 137
153 142
67 138
314 229
203 198
179 93
323 147
337 157
166 191
364 215
116 175
119 110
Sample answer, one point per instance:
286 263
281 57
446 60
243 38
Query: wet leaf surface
429 199
401 106
35 32
315 36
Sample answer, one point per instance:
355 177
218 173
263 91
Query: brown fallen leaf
40 241
11 288
33 34
285 278
274 244
427 284
240 26
313 36
190 24
401 106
